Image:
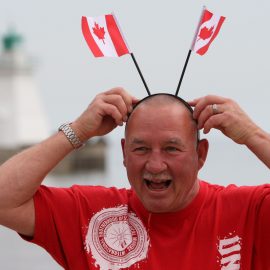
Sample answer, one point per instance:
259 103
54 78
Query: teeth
158 185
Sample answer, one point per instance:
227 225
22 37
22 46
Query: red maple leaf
99 32
206 33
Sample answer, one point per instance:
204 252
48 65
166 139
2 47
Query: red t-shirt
223 228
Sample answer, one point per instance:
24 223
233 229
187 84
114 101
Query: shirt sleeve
57 223
62 218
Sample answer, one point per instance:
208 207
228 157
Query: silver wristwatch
71 136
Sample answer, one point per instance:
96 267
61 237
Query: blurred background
48 76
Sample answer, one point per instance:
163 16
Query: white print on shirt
229 249
116 238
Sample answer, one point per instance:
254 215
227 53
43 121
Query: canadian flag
207 31
104 36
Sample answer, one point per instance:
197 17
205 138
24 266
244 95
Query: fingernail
125 118
130 109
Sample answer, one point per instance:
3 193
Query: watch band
71 135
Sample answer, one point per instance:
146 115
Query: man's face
162 158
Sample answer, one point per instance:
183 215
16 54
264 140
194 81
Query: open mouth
158 186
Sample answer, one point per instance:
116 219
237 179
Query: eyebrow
137 141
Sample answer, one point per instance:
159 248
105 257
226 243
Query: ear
123 141
202 150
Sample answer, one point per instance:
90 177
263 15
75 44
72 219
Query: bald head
159 101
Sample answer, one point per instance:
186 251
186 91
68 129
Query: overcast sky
159 33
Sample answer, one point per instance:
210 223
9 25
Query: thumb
135 100
193 102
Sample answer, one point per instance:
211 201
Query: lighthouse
22 119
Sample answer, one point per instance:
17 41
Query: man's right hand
21 175
108 110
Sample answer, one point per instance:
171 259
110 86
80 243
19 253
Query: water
227 163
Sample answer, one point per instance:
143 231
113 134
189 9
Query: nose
155 163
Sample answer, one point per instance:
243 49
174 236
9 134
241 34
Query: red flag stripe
204 49
116 37
89 39
206 16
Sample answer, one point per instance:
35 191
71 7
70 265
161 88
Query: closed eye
172 149
141 149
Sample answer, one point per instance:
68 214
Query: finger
213 122
128 99
204 115
193 102
135 100
204 102
209 111
111 110
119 103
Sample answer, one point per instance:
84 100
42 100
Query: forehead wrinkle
161 100
137 141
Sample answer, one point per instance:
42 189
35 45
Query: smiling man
169 219
162 154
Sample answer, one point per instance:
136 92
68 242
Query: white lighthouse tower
22 119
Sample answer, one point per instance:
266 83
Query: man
169 219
